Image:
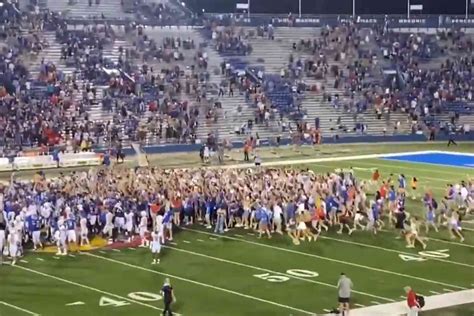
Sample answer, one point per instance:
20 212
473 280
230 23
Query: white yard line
86 287
19 308
451 242
431 303
394 251
330 259
200 284
273 272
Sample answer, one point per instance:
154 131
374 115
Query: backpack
421 300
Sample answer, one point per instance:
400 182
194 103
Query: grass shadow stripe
408 276
274 272
46 275
133 266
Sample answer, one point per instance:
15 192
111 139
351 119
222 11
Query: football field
238 274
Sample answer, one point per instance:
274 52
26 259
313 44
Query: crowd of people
118 201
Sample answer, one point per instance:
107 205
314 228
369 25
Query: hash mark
448 290
251 234
130 248
173 243
57 258
116 250
359 305
72 256
24 261
101 251
200 240
186 241
40 259
212 238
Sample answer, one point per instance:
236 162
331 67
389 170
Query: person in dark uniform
168 297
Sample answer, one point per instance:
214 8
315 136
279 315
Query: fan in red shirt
413 306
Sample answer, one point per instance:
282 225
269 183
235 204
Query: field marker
186 241
212 238
395 251
130 248
40 259
19 308
199 283
359 305
327 310
23 261
103 252
116 250
251 234
329 259
274 272
200 240
401 296
173 243
72 256
57 258
86 287
375 302
434 292
448 290
75 303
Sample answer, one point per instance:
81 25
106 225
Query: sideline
431 303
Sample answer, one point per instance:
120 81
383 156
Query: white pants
2 241
71 236
36 237
120 222
108 228
93 220
155 247
413 311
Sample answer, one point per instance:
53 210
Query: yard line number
283 278
425 255
105 301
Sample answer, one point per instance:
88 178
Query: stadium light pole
353 9
467 9
408 6
299 7
248 9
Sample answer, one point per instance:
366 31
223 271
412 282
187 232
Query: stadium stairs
81 8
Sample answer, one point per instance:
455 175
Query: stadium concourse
246 163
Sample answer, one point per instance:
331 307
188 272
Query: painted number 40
138 296
425 255
283 278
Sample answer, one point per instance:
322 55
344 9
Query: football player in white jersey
84 230
13 243
142 228
160 227
109 225
156 246
129 223
60 236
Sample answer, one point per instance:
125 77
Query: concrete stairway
109 8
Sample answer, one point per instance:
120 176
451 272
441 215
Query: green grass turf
216 275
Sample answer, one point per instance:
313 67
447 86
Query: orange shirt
155 208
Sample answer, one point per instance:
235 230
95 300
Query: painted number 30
289 273
138 296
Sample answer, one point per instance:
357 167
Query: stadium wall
329 6
175 148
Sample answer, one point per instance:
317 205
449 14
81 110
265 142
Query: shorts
343 299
